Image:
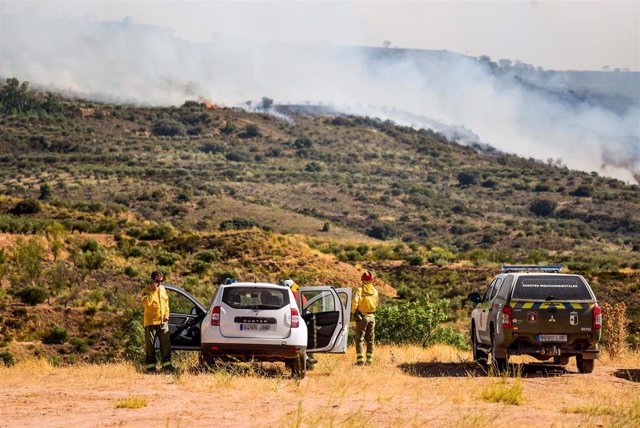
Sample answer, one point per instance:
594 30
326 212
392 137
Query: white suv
261 322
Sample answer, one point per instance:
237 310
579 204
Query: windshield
255 297
551 287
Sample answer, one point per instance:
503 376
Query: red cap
367 277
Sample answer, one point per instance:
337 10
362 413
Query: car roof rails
532 268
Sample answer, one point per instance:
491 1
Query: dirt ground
406 386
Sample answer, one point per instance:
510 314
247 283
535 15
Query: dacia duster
537 311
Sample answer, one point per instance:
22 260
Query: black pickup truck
537 311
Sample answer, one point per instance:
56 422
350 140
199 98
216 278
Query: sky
564 35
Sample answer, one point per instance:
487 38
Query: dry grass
407 386
132 402
615 326
503 391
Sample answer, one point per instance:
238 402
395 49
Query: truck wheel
584 365
479 356
500 364
298 367
562 361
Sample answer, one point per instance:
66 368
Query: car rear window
551 287
255 297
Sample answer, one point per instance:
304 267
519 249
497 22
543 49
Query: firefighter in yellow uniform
156 323
363 306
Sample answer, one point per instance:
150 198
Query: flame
208 104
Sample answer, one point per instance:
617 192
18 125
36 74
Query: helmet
288 282
155 274
367 277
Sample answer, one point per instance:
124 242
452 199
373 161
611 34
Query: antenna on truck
532 268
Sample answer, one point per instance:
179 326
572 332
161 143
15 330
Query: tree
45 191
386 44
15 97
58 277
266 104
505 63
28 258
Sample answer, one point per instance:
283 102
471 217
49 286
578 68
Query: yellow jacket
156 305
365 299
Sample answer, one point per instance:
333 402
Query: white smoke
124 61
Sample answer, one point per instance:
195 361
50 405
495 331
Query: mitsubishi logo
552 319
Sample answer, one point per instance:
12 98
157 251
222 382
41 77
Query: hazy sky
554 35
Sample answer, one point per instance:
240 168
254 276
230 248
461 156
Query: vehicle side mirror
475 297
194 311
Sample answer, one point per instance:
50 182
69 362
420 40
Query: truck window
551 287
496 287
487 294
255 297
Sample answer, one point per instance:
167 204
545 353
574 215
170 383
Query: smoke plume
589 122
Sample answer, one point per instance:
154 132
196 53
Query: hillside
110 192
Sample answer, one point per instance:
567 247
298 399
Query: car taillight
295 318
215 315
597 317
506 317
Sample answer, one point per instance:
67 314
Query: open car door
326 311
185 317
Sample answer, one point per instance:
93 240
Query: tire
298 367
584 365
479 356
561 361
499 364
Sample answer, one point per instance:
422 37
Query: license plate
255 327
552 338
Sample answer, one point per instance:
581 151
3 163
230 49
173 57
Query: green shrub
251 131
229 128
27 206
416 322
415 260
55 335
79 344
168 128
131 272
166 258
90 260
382 231
7 359
302 143
583 191
32 295
313 167
90 245
543 207
160 231
208 256
199 266
238 223
466 178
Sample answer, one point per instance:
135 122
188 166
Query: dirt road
407 386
